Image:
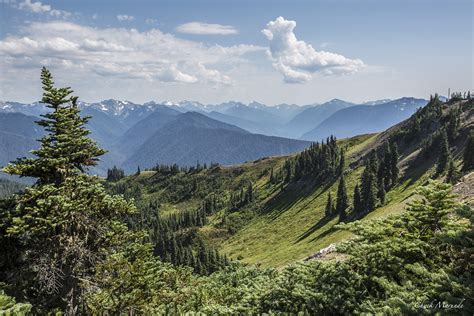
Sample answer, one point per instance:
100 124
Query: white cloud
119 53
200 28
36 7
40 8
151 21
125 18
297 61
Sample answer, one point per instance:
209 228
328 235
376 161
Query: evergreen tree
444 153
65 150
115 174
341 162
357 203
342 202
394 171
452 174
369 183
138 171
468 158
382 192
385 169
65 221
329 211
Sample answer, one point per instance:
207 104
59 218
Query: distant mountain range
189 131
192 137
363 119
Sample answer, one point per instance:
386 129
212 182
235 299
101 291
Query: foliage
8 306
342 201
62 224
115 174
468 158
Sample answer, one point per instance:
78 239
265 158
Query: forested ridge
163 240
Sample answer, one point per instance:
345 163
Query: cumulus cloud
297 61
125 18
119 52
200 28
38 7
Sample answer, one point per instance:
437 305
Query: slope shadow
323 234
286 198
323 221
416 170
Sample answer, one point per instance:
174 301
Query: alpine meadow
292 205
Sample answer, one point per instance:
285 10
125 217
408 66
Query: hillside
286 220
363 119
251 126
193 137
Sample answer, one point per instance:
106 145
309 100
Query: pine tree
444 153
66 221
272 177
65 149
341 162
394 171
342 202
370 198
138 171
369 186
468 158
357 203
386 166
452 174
381 193
329 211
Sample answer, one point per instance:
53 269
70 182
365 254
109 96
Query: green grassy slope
286 223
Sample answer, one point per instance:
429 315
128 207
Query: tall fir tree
342 162
65 150
329 211
386 166
369 185
65 221
452 174
394 171
382 192
444 153
468 157
357 203
342 201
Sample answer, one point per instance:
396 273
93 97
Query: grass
285 224
295 226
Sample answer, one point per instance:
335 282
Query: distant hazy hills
18 134
189 131
192 137
362 119
313 116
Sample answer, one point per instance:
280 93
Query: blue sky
213 51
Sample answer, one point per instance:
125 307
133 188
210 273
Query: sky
273 52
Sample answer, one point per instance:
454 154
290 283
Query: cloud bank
199 28
297 61
118 53
39 8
